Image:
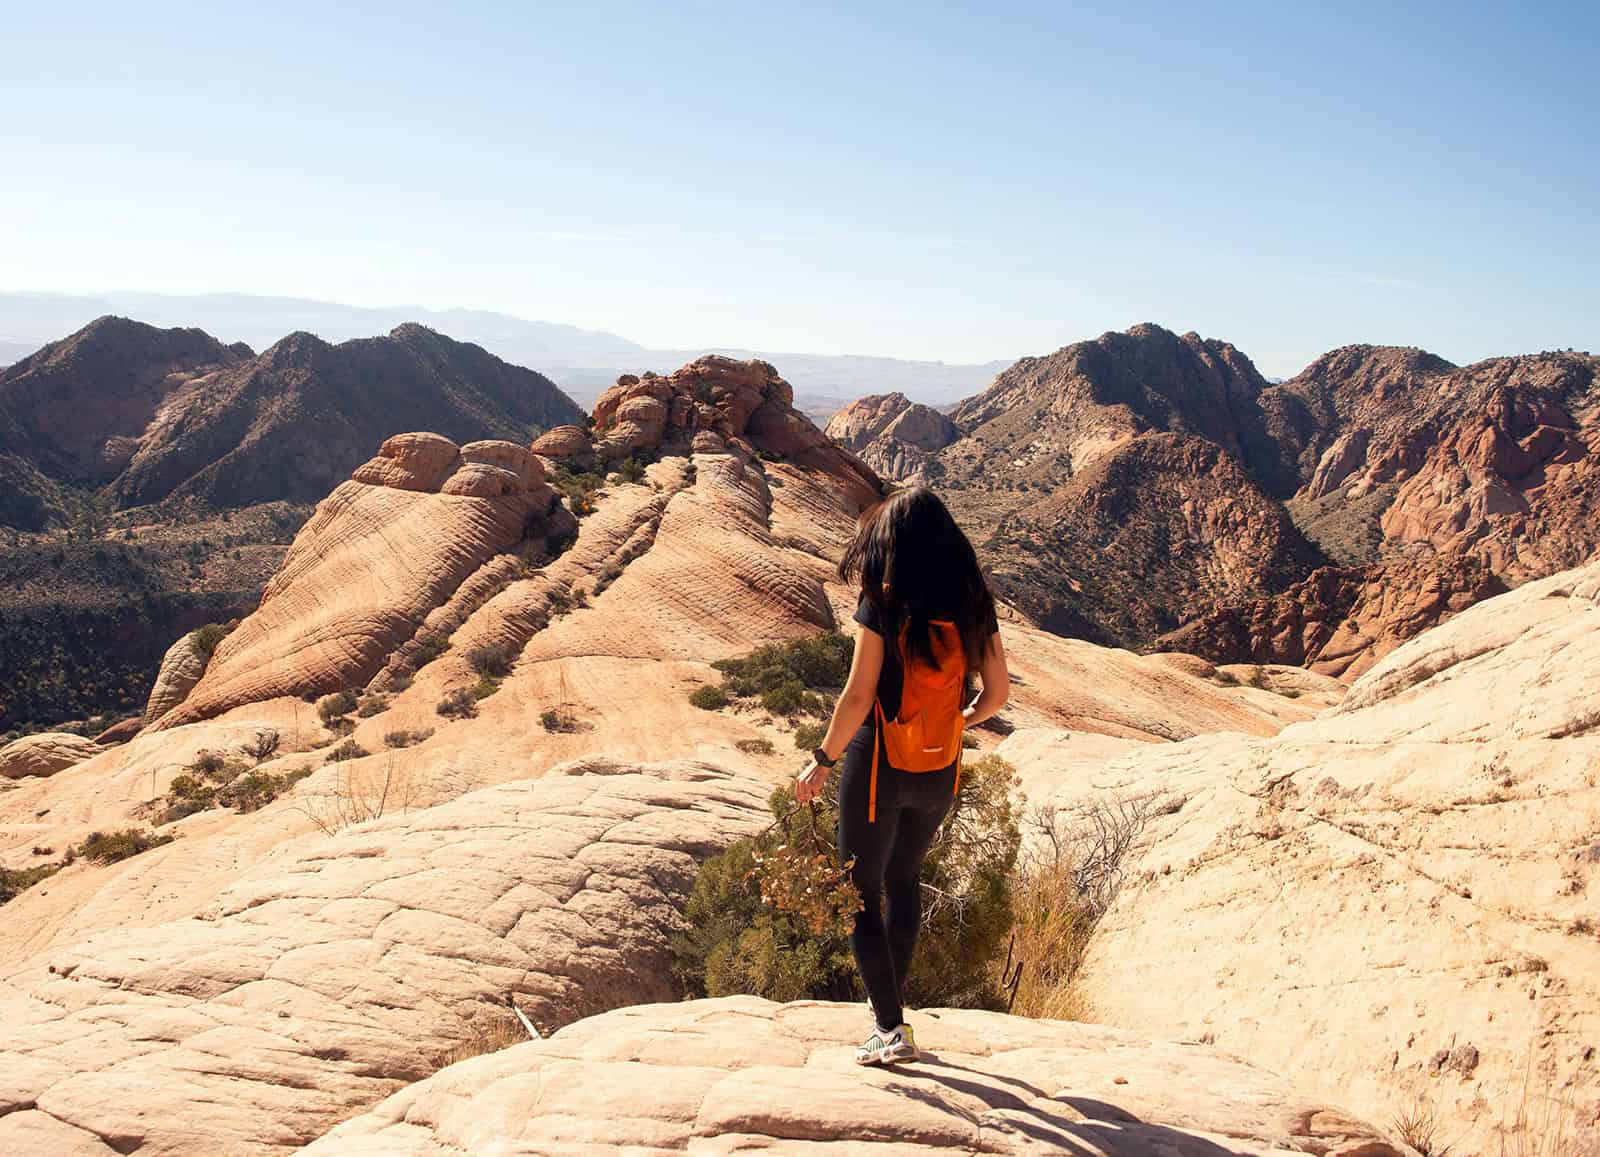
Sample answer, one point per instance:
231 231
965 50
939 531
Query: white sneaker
886 1048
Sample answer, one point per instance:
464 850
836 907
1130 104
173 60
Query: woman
927 620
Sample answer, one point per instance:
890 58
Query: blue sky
929 180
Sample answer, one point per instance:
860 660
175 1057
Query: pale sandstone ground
742 1074
342 967
1397 900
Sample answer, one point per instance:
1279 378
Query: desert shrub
458 704
254 790
429 648
607 575
809 736
349 749
709 697
109 847
335 706
755 746
485 687
817 661
771 915
1067 881
372 705
359 793
557 721
402 679
579 489
15 881
969 740
631 469
785 698
493 659
208 763
489 1035
406 738
207 638
263 745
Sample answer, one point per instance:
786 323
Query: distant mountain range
582 362
144 415
1147 489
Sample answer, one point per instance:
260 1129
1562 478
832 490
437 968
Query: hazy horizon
953 183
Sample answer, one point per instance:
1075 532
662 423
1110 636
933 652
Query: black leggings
888 857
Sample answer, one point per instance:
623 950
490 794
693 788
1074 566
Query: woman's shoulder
868 613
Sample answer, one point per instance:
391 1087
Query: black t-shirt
891 678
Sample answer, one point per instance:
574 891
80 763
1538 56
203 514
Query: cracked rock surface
343 967
741 1074
1408 875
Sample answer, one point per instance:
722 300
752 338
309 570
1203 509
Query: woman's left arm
849 713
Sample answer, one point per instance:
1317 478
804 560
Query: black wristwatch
822 758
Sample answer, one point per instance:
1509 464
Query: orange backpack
926 733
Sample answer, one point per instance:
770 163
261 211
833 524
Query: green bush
335 706
755 746
109 847
15 881
429 648
458 704
809 736
793 943
969 740
631 469
817 661
406 738
493 659
349 749
557 721
372 705
485 687
785 698
709 697
206 639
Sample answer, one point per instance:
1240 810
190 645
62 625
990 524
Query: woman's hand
809 783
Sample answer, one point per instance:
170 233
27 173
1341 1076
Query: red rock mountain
1434 486
1150 489
894 435
1119 484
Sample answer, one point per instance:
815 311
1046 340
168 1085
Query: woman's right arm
996 681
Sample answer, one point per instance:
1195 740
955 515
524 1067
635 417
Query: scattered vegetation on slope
800 677
86 617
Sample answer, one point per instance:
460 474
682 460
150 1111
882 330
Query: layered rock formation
380 554
346 967
742 1074
181 668
1396 899
45 754
894 435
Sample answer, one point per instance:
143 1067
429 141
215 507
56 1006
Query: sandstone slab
45 754
742 1074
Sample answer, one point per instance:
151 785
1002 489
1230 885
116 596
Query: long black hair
915 564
